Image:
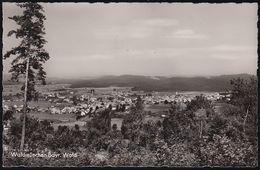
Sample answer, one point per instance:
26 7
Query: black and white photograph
129 84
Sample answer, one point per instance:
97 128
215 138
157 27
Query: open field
71 124
11 89
51 117
57 119
117 121
14 89
41 104
157 108
153 118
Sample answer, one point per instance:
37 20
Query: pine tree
29 55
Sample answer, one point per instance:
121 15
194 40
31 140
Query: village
87 101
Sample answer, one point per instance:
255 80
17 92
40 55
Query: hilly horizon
150 83
161 83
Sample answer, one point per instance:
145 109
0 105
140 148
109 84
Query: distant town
85 102
118 98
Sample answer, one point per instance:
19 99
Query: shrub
224 152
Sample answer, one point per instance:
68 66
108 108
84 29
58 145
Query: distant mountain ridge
160 83
149 83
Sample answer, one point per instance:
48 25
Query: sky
154 39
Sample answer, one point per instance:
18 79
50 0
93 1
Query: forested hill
158 83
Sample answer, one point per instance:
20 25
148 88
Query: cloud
139 32
99 57
137 29
224 57
123 32
156 22
233 48
222 48
156 53
188 34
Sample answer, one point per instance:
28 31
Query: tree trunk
244 123
25 105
